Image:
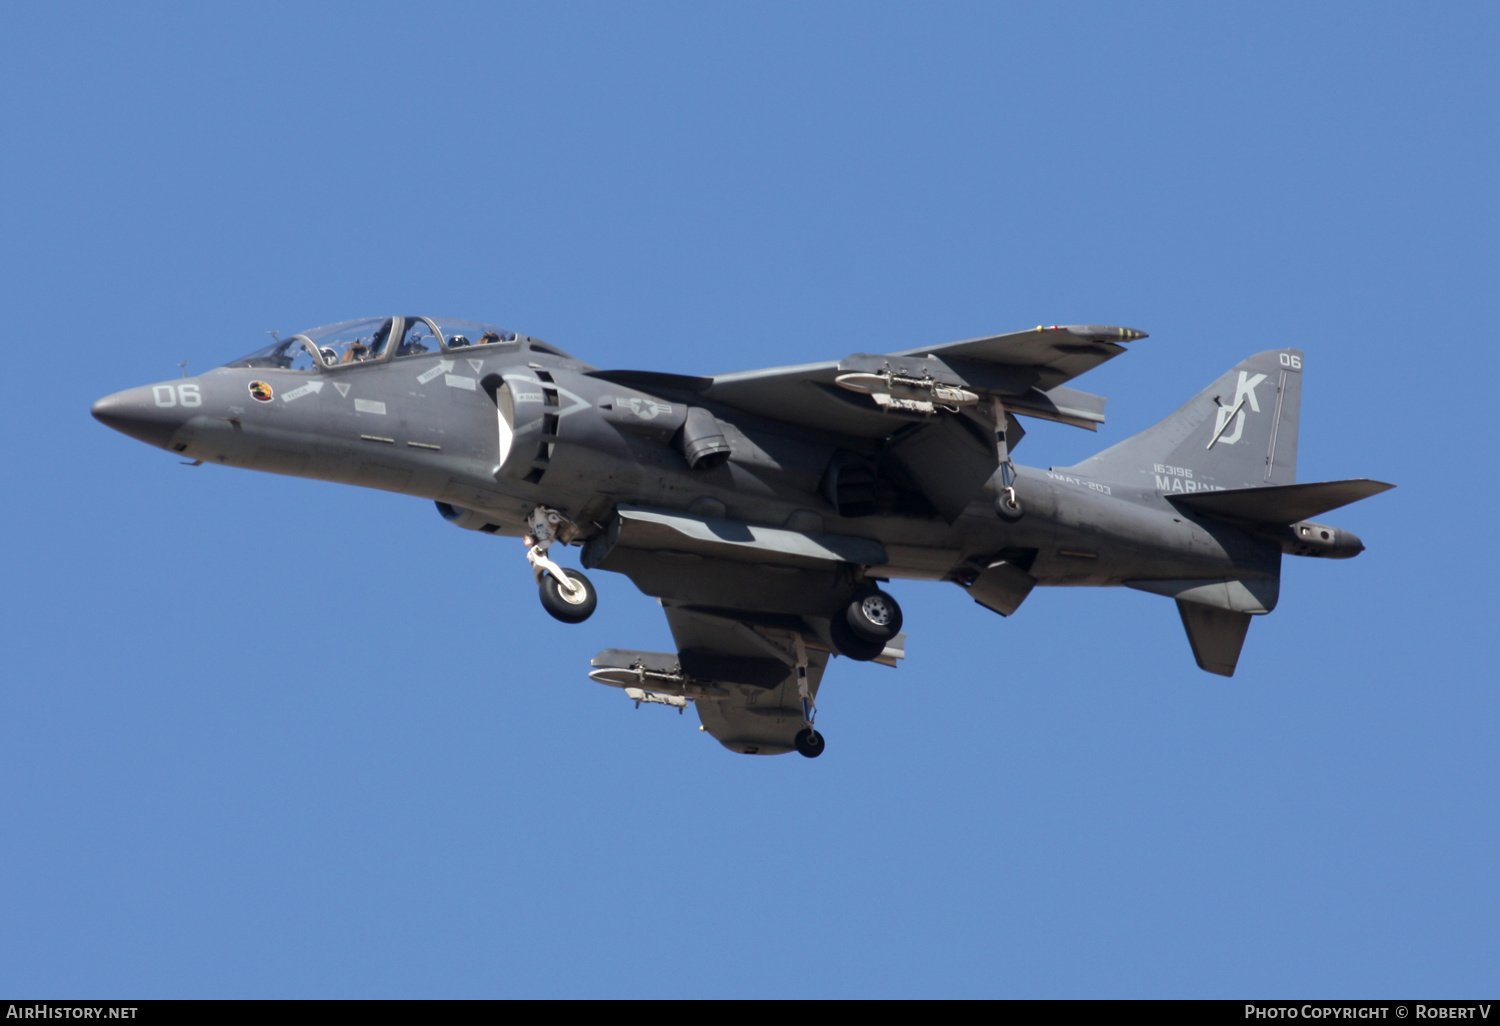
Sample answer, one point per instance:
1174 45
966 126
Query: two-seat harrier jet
765 509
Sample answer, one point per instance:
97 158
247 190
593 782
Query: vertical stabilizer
1239 432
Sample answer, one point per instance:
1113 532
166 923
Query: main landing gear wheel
850 644
873 615
570 602
809 742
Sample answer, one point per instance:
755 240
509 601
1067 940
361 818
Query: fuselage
491 431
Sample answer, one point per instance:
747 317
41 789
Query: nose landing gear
566 595
570 602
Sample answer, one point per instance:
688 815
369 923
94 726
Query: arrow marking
310 388
441 367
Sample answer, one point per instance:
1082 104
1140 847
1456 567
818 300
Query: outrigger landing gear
1007 505
566 594
808 741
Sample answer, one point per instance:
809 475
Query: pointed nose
141 414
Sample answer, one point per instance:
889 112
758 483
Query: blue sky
272 737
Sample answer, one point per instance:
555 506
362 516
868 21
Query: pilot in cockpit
414 344
356 352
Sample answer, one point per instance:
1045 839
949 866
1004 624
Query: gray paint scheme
755 506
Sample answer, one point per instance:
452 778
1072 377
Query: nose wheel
570 597
566 595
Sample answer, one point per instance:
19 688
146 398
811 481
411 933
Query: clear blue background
262 736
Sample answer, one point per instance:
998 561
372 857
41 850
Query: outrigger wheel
572 601
1008 506
809 742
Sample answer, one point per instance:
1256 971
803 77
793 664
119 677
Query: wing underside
762 710
741 673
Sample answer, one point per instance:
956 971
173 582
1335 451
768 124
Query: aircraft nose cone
134 412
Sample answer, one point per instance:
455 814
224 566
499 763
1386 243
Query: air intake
702 440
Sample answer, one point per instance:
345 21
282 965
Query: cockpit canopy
370 340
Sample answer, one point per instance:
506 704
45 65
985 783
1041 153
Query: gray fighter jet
764 509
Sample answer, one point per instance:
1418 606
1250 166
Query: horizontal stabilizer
1217 635
1279 504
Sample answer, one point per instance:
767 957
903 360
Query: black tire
873 615
809 742
850 644
567 608
1007 507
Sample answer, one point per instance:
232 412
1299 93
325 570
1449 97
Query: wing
739 670
935 422
1027 368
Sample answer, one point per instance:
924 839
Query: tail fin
1239 432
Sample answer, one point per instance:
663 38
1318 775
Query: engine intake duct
702 440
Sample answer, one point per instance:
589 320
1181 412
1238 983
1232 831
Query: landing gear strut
566 594
1007 505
